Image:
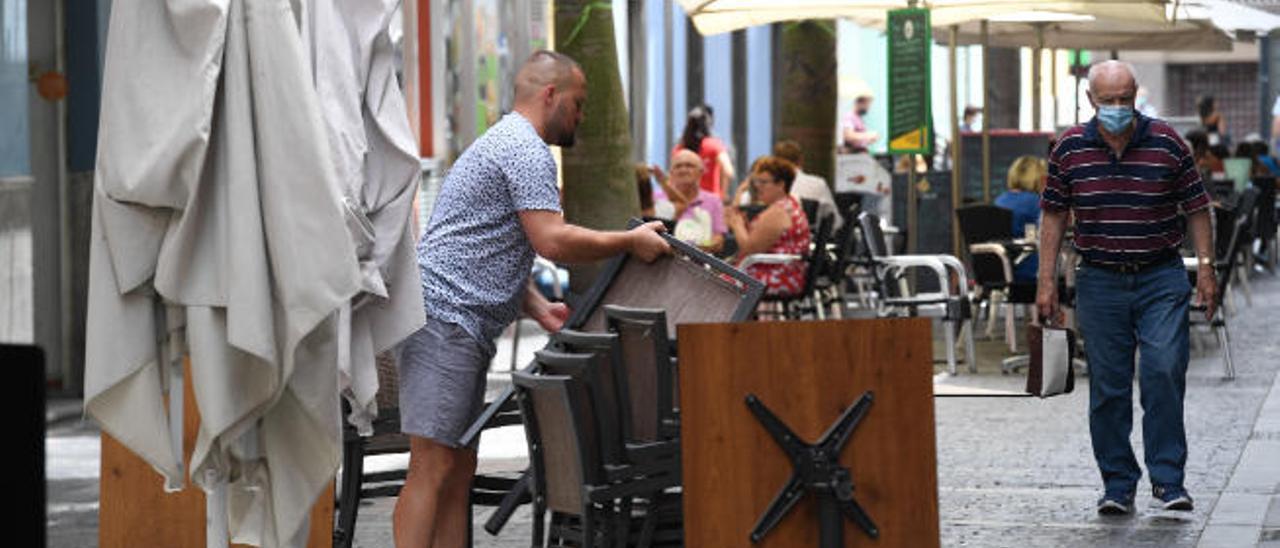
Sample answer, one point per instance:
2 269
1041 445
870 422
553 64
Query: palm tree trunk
806 103
599 181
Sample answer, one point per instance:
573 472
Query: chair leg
970 353
588 527
948 328
349 497
993 305
1009 318
1243 270
1224 340
515 342
818 304
539 522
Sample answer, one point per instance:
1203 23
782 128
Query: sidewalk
1015 473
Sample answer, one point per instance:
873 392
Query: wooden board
807 373
134 510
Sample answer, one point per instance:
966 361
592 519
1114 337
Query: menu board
909 42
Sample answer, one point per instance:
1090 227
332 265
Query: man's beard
564 138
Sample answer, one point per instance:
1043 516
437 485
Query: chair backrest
646 364
818 256
984 223
595 365
1241 221
1265 227
562 447
846 239
690 285
873 235
810 207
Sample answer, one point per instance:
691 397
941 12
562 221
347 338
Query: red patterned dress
786 279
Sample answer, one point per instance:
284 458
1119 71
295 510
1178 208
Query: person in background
1275 124
699 214
1025 180
717 167
1212 121
644 187
780 228
855 137
971 116
808 186
1206 160
1143 104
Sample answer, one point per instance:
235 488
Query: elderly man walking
498 206
1133 187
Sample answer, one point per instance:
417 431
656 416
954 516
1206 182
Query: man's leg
429 502
1162 375
442 384
1107 326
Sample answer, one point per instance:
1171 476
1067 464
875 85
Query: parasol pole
986 114
955 141
1036 65
1053 86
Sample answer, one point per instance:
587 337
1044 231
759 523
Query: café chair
896 297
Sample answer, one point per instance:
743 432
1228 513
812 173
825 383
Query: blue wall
759 93
15 132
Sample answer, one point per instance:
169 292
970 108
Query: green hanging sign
910 37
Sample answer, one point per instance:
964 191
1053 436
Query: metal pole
1053 86
955 141
1036 92
986 114
668 108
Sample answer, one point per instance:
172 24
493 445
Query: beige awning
718 16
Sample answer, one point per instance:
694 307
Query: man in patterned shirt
1134 189
498 206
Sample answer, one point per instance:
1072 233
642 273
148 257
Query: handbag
1051 370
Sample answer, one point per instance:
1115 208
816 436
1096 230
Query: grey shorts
442 382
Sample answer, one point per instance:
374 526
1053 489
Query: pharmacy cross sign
818 471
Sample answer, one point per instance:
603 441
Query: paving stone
1240 509
1228 536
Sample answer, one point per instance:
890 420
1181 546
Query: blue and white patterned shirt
474 257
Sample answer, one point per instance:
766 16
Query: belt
1133 267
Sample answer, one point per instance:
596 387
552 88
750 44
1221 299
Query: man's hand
1207 290
551 316
1047 302
646 243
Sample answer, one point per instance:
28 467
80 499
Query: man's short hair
543 68
789 150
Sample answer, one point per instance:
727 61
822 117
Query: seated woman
698 213
780 228
1025 180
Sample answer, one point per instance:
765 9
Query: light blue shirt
474 256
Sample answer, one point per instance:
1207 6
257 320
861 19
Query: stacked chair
599 408
1233 241
988 235
895 297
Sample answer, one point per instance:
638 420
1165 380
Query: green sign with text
910 38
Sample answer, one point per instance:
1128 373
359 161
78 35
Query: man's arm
562 242
1206 277
1053 225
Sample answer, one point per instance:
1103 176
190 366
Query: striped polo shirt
1131 208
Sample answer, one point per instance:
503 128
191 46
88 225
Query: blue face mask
1115 119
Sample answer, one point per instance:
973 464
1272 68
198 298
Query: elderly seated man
699 214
